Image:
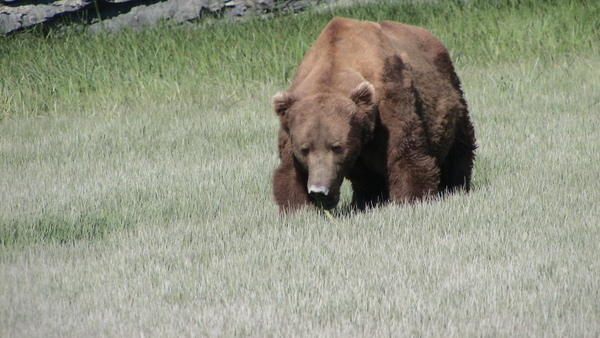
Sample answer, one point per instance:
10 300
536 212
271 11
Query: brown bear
379 104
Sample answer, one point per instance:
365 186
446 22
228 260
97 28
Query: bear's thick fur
379 104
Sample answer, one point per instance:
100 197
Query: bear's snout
322 196
318 190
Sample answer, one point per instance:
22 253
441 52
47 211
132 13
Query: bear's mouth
326 202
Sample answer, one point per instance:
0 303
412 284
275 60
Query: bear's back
349 51
424 50
344 45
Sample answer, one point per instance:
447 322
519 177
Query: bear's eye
304 151
337 149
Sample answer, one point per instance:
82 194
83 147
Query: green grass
60 72
135 193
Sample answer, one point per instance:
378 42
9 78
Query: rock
13 16
177 11
114 14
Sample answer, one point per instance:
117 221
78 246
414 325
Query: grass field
135 194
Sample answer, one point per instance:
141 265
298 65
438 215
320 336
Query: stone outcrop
114 14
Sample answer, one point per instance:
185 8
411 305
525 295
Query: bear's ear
282 102
363 95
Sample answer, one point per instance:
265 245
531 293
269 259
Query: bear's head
327 133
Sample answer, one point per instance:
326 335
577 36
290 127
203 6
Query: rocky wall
114 14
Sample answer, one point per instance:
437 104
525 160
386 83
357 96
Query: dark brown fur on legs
457 167
289 188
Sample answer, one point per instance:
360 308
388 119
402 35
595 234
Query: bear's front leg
289 187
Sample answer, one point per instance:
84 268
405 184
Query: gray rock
115 14
143 15
15 17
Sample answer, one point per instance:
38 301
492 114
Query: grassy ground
135 186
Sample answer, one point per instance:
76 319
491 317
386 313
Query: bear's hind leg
365 196
413 178
457 167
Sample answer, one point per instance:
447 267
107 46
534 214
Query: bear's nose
318 190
